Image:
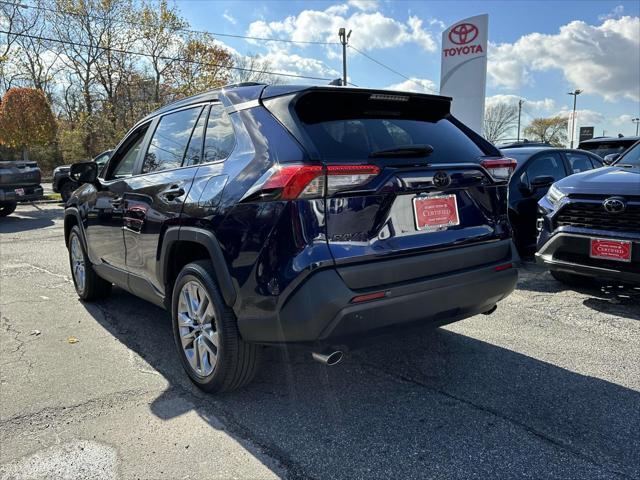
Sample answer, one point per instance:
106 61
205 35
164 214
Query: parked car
590 224
274 215
538 168
19 182
62 182
523 144
608 148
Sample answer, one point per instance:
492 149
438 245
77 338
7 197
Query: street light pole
344 40
575 94
520 102
637 122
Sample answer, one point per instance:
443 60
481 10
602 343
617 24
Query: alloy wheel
197 328
77 262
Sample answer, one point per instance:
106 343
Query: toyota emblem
463 33
441 179
614 205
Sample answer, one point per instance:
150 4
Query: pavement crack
529 429
19 349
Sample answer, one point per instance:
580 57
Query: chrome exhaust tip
330 357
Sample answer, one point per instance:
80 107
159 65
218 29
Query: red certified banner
436 212
611 249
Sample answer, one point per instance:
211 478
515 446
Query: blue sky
538 50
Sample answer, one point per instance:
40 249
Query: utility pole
520 102
575 94
344 40
637 122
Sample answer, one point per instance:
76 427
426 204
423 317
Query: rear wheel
571 279
66 190
206 333
7 209
89 285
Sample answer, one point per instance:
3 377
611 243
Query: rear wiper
404 151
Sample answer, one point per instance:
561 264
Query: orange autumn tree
26 120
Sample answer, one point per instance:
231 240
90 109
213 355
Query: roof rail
244 84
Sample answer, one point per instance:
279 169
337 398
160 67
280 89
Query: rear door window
548 164
579 162
170 139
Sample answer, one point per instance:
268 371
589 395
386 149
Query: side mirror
84 172
612 157
542 181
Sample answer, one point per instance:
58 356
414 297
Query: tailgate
19 173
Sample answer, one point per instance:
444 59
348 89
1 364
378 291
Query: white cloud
419 85
584 117
371 29
623 120
617 12
543 106
364 5
284 62
601 60
229 18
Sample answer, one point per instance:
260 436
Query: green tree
26 120
552 130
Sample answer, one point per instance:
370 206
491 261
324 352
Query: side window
169 142
547 164
220 139
125 158
194 149
579 162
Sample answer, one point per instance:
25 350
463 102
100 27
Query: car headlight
555 195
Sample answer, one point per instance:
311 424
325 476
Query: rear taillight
309 181
500 168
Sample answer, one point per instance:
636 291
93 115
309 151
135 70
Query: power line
130 22
173 59
390 69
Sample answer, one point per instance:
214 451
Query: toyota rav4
275 215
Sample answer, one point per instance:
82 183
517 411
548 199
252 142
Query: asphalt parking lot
546 387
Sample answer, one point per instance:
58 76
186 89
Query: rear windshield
352 127
603 149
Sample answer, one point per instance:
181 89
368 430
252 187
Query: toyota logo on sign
614 205
463 33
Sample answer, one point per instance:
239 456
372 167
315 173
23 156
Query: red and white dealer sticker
434 213
611 249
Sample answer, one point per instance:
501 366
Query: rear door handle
173 192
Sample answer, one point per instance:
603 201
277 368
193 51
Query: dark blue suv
590 224
274 215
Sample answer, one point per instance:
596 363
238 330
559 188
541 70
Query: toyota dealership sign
463 73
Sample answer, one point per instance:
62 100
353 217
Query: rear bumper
31 192
320 310
569 252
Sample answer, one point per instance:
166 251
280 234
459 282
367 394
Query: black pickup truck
19 182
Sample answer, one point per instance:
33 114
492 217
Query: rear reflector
308 181
500 168
368 296
500 268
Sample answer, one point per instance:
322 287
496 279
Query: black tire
93 287
572 279
236 360
67 189
7 209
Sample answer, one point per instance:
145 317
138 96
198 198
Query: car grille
594 216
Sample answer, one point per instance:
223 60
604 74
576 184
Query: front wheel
7 209
89 285
206 333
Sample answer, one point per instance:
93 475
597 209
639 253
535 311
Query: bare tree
499 119
253 68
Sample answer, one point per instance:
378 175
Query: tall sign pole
463 74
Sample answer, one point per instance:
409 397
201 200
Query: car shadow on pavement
612 298
424 403
21 221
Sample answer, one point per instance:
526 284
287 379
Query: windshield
604 149
632 157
